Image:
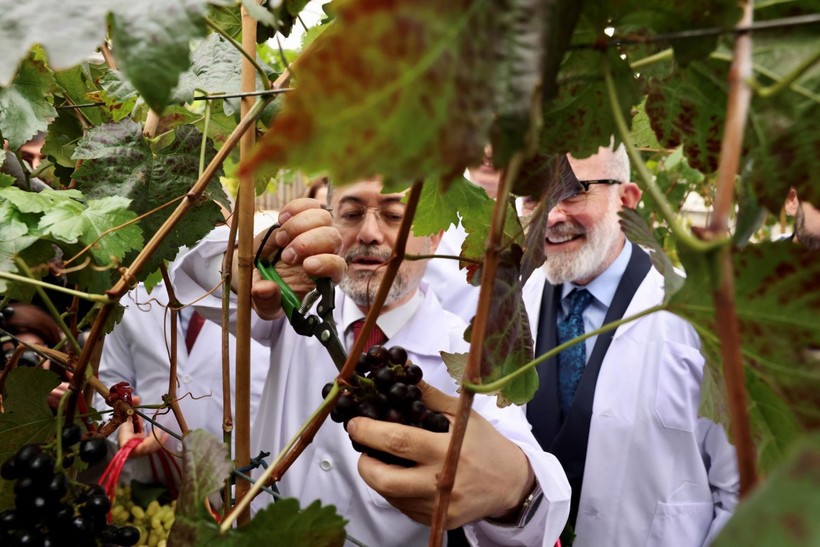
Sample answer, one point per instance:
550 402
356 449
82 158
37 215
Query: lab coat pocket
678 392
680 524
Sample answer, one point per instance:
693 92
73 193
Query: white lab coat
447 281
137 352
655 473
327 470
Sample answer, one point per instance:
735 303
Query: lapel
568 442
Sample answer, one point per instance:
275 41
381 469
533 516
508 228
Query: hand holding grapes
487 458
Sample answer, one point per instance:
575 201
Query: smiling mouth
367 261
559 239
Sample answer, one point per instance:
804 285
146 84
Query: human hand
310 246
56 394
492 479
152 441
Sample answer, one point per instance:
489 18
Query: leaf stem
682 235
101 298
665 55
500 383
726 320
56 315
787 80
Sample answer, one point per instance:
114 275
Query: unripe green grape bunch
385 387
153 522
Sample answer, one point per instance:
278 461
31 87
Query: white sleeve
547 523
197 278
720 460
116 363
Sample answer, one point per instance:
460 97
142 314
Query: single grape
398 394
95 506
363 365
41 468
418 411
398 355
436 423
25 456
326 389
412 374
384 378
70 435
93 450
10 470
378 355
395 416
127 536
57 487
414 392
369 410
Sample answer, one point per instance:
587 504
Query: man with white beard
619 410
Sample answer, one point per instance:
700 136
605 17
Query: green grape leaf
579 119
508 343
67 31
216 67
103 224
74 85
283 524
118 162
440 208
403 90
642 134
456 364
27 417
24 106
205 468
774 426
778 511
63 134
151 44
776 295
14 237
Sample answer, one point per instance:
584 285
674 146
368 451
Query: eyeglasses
351 215
576 201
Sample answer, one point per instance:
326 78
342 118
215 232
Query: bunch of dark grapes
52 510
384 387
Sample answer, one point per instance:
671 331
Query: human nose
370 230
556 215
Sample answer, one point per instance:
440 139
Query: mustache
370 251
564 229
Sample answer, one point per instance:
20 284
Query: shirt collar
390 322
604 286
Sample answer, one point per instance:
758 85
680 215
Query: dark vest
568 441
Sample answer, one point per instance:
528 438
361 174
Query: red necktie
377 337
194 326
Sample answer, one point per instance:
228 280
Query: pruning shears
321 325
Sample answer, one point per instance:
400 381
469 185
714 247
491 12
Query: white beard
589 260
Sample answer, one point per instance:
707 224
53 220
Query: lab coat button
326 465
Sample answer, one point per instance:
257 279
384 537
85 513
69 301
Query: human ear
630 195
792 203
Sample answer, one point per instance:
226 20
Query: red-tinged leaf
689 108
777 298
779 511
508 343
398 88
119 161
579 119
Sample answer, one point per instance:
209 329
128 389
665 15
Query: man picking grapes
507 490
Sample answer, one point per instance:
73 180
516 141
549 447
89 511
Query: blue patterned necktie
571 361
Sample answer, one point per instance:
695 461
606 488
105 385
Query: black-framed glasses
574 201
